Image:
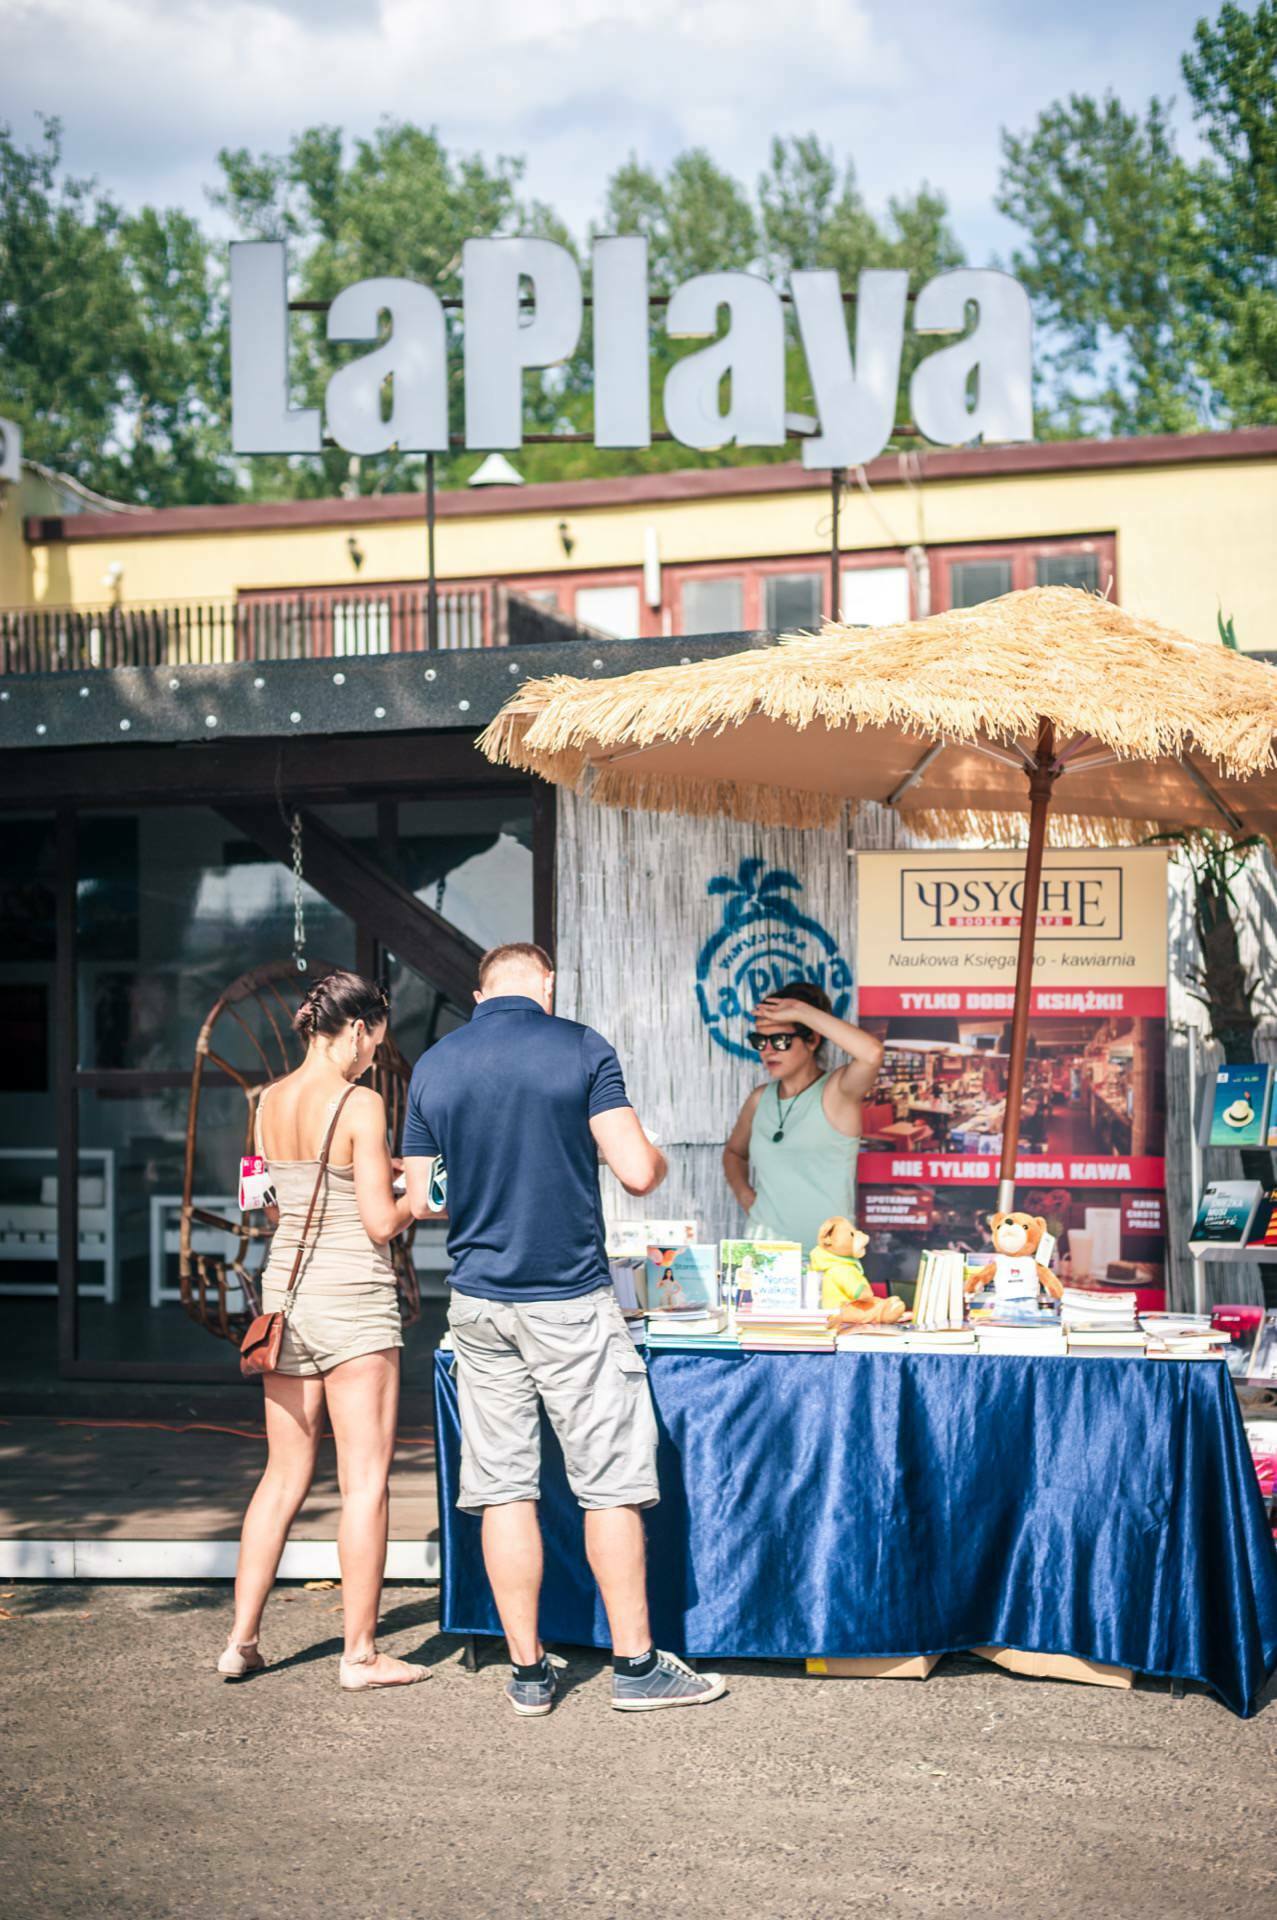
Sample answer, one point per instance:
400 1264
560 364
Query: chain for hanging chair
299 904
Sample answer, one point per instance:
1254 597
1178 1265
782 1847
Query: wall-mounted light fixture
355 551
565 539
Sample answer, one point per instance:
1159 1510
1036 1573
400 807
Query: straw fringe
796 807
988 672
706 799
1012 829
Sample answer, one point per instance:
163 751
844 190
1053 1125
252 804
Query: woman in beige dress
341 1344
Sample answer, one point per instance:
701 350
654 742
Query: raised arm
851 1081
638 1165
383 1212
736 1152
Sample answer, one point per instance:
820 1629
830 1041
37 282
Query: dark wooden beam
360 888
342 768
545 800
66 1054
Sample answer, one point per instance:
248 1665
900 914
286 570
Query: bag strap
294 1278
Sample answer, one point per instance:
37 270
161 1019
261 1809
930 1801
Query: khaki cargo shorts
576 1358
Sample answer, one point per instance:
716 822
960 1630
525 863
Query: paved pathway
174 1480
138 1787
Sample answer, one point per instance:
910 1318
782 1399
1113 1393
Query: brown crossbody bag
259 1349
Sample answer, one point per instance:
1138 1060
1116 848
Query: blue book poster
682 1277
1239 1117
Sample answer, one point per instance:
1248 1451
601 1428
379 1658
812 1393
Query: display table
879 1504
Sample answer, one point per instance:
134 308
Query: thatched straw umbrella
1098 724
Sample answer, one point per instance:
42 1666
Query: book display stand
1203 1103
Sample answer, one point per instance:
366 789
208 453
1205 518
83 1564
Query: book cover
762 1273
1263 1359
1224 1217
1239 1116
1263 1231
627 1240
629 1285
669 1233
1241 1322
682 1277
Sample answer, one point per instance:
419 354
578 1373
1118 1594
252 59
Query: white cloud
150 89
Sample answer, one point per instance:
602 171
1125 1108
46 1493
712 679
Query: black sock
639 1665
539 1671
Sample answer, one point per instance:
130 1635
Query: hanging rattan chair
246 1042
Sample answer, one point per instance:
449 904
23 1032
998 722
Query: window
875 596
361 626
793 600
1069 570
610 610
971 581
713 606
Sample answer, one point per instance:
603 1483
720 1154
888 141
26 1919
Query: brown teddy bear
1015 1270
844 1291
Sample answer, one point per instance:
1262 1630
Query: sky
148 90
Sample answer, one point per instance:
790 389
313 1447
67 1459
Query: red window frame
1023 555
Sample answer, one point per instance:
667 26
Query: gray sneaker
532 1697
671 1683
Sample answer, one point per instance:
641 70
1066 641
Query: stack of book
1099 1323
874 1338
691 1329
940 1299
1183 1336
1020 1334
939 1306
785 1330
941 1340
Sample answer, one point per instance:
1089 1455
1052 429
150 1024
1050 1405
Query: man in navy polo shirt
519 1105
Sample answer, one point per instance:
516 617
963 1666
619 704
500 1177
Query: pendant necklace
782 1116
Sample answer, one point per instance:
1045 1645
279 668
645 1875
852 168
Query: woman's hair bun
337 1001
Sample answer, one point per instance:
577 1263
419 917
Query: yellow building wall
1191 540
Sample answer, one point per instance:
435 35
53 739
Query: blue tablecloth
922 1503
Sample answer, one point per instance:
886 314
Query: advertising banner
938 934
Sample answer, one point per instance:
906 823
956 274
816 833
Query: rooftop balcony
312 624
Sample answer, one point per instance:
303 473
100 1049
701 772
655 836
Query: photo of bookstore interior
1091 1086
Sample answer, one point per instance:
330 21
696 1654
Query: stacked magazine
1184 1336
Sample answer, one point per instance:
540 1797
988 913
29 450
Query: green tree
106 325
1155 280
110 331
696 218
1231 76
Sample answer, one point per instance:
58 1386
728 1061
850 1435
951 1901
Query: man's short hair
513 952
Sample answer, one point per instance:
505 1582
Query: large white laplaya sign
978 387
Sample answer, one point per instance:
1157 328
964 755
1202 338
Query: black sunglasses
782 1042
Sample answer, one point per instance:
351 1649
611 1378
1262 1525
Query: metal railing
315 624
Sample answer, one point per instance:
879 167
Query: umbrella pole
1041 780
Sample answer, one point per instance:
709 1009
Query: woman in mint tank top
790 1159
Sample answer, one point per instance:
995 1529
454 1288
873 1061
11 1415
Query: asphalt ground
138 1784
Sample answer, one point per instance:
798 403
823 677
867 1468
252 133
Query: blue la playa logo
764 943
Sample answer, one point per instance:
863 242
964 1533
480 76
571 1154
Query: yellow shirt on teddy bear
842 1279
